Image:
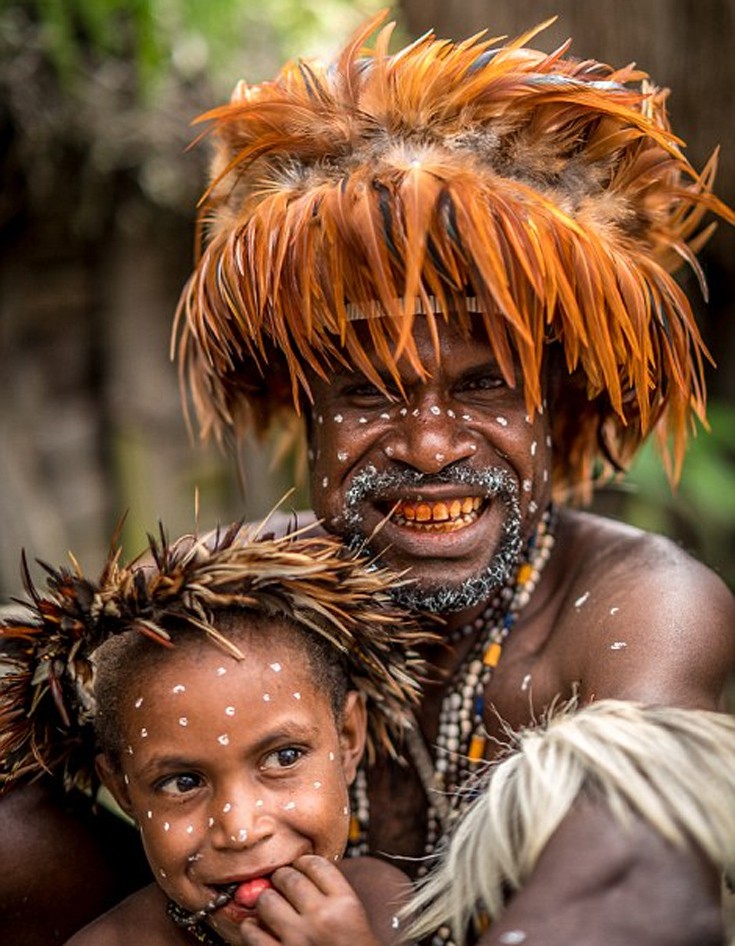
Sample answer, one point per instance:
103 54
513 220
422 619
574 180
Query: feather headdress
47 702
544 192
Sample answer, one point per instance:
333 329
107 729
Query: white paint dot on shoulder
450 412
533 506
139 702
220 671
224 739
183 721
320 419
466 417
512 938
618 645
526 682
179 688
126 779
129 750
276 667
415 412
389 451
582 599
149 814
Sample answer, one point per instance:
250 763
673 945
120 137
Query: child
231 691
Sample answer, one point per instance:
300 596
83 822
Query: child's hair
197 587
122 660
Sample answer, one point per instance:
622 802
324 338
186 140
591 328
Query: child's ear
352 734
114 781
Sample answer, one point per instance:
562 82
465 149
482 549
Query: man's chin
448 598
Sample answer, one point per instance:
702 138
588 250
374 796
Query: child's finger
325 875
298 888
252 934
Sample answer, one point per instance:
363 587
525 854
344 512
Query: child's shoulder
383 889
142 913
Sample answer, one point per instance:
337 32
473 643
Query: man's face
453 475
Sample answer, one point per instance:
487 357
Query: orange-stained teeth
423 512
455 509
467 505
407 510
440 513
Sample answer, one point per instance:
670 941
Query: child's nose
240 821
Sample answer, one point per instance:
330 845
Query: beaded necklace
461 736
197 929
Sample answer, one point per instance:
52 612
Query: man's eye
180 784
483 382
365 392
282 758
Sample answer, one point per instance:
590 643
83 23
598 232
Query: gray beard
370 485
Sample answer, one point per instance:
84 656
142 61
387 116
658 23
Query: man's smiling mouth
437 515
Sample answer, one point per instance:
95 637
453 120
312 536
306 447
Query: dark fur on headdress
549 190
46 685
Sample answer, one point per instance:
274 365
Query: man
455 262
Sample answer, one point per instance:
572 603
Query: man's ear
113 779
352 734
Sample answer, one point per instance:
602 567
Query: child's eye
179 784
282 758
483 382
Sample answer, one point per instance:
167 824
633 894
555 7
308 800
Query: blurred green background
96 236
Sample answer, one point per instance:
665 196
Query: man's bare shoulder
644 618
142 917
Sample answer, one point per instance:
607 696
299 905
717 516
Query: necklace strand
461 737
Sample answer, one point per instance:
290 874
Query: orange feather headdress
543 196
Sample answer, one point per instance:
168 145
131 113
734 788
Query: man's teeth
452 514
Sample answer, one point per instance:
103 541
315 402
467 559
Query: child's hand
311 904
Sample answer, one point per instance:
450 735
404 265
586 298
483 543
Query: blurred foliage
700 511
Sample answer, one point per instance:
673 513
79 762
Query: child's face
234 768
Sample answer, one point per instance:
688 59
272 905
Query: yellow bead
354 829
476 751
524 573
492 654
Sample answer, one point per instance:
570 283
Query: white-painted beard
371 485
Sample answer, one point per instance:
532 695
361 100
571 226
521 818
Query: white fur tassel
674 768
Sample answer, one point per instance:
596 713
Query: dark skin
605 583
670 618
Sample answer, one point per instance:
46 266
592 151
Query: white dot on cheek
503 421
227 807
211 822
190 829
276 667
220 671
162 872
179 688
342 456
223 740
331 757
150 814
183 721
139 702
166 826
143 733
389 451
289 806
317 784
439 457
230 710
435 410
533 449
266 697
297 695
338 418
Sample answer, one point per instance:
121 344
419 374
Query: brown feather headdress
546 194
46 665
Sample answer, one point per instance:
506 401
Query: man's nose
430 435
240 819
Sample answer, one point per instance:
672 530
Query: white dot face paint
224 739
450 412
259 803
190 829
162 872
297 695
385 416
395 923
440 457
276 668
317 785
149 814
320 419
403 411
415 412
266 697
503 421
325 482
389 451
242 835
526 682
166 826
338 418
331 757
466 417
362 420
179 688
139 702
183 721
345 810
143 733
527 486
581 600
210 823
533 507
435 410
229 710
533 448
342 456
220 671
512 938
226 808
614 610
289 806
618 645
